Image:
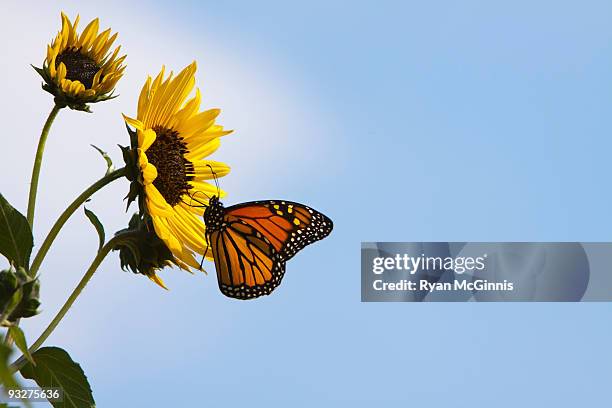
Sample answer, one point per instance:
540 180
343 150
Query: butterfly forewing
287 225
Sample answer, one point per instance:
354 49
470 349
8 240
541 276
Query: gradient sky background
407 121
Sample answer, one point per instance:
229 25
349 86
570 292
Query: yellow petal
156 203
149 174
163 232
187 235
202 189
135 123
198 123
109 43
50 54
182 265
146 139
190 108
188 258
167 233
99 42
77 87
192 222
89 33
157 102
61 71
158 280
52 70
144 114
66 85
88 92
158 79
176 94
96 79
66 26
196 142
109 61
204 150
143 99
72 41
148 170
203 169
57 43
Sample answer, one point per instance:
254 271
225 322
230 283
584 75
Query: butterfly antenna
216 180
192 199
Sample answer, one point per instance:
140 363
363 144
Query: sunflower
168 171
79 69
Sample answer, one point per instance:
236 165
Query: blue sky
402 121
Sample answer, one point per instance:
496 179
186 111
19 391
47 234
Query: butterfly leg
205 253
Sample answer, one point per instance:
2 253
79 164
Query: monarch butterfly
251 242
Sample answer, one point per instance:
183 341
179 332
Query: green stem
110 245
38 163
34 180
44 248
46 245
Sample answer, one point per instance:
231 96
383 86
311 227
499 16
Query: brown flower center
79 67
174 171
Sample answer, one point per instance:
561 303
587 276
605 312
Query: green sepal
135 192
19 295
29 304
9 295
130 157
40 71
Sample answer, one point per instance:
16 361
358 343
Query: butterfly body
213 214
251 242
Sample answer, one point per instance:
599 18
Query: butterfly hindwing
287 225
247 264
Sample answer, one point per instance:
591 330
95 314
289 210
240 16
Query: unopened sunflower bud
19 294
143 252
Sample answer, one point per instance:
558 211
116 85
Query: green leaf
15 235
20 341
97 225
6 376
106 157
55 368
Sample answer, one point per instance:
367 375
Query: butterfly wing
287 225
247 265
258 237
